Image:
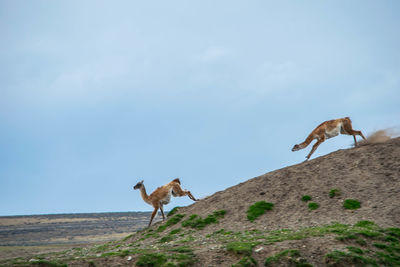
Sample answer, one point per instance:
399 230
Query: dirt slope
369 173
288 235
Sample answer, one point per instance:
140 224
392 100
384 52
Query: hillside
216 231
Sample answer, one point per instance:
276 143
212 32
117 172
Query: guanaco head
138 185
296 147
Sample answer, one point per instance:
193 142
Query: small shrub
306 198
351 204
313 206
246 261
334 192
258 209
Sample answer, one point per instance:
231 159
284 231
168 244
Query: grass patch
394 232
313 206
173 211
175 231
365 224
183 249
166 238
127 237
306 198
341 258
351 204
291 256
246 261
380 245
241 248
47 263
152 259
184 257
355 250
196 222
388 259
258 209
174 220
334 192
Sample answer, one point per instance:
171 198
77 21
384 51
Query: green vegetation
181 256
341 258
306 198
244 248
39 262
175 231
291 256
258 209
170 236
334 192
394 232
313 206
152 259
388 259
48 263
174 220
355 250
127 237
246 261
365 224
351 204
173 211
366 244
120 253
196 222
101 248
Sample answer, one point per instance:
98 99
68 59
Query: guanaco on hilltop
162 195
326 130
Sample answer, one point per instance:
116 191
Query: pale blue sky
97 95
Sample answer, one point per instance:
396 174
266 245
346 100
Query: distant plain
24 235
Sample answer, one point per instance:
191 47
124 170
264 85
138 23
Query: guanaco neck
307 141
144 195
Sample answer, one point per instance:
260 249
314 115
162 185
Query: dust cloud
380 136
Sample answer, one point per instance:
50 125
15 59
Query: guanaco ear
177 181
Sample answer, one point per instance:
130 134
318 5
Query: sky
98 95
